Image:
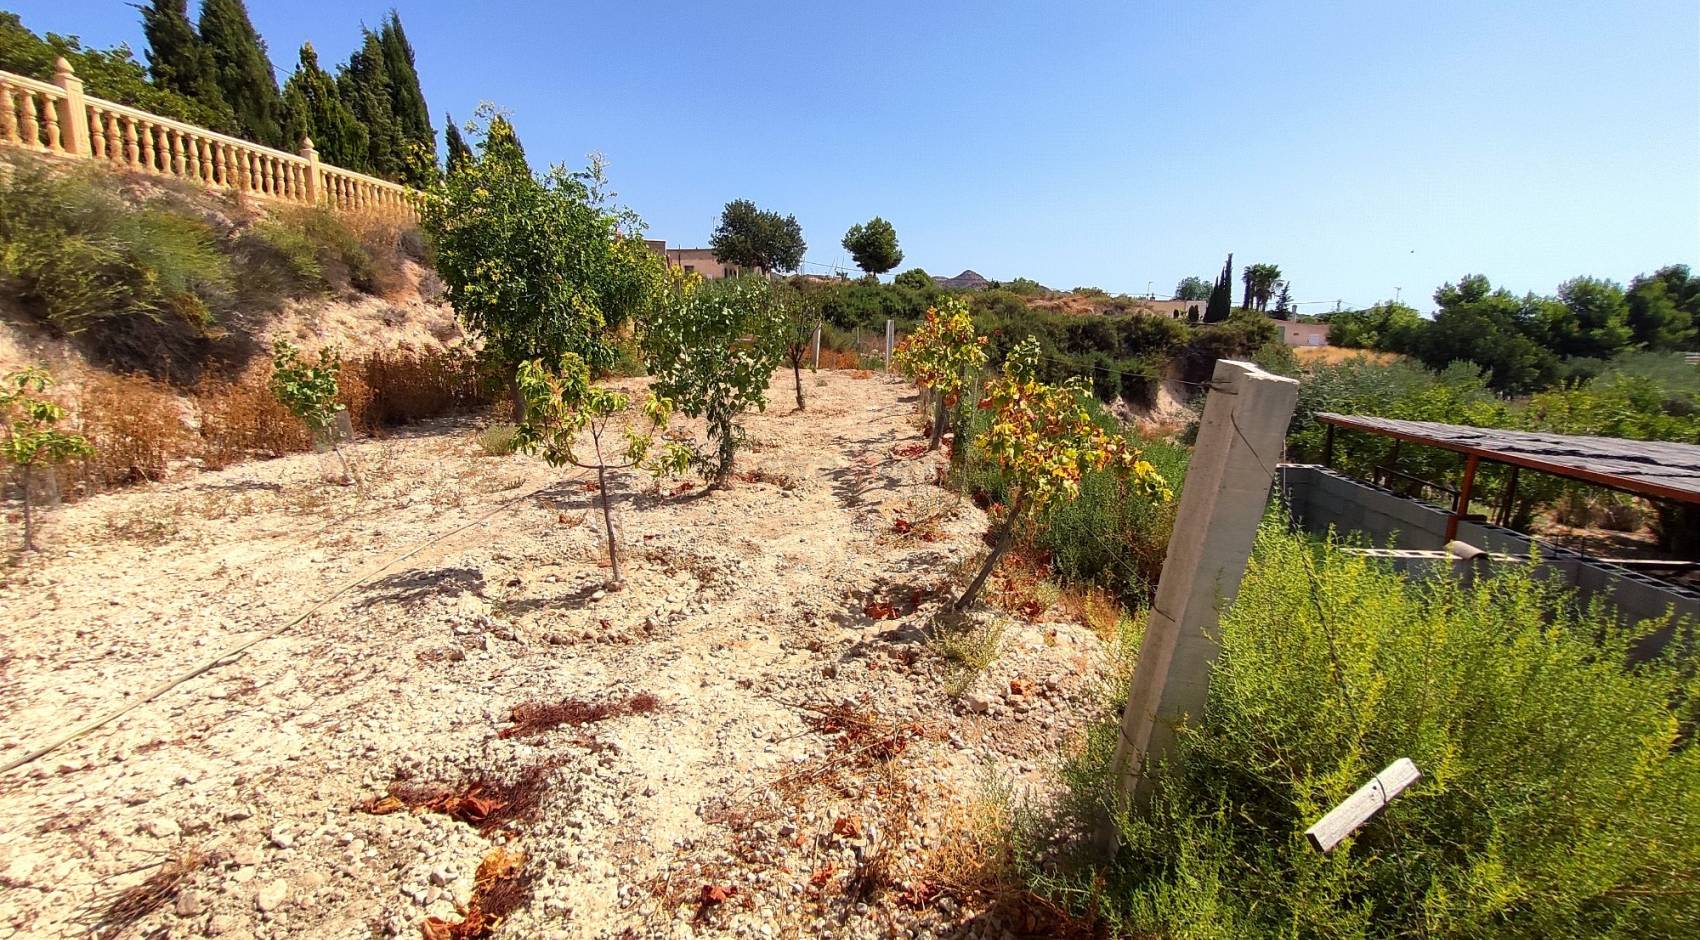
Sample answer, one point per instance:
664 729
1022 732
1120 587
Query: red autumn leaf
1021 686
901 526
684 488
848 827
880 610
717 894
823 875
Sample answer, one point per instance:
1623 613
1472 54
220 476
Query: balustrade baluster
31 129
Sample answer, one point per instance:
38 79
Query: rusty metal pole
1462 506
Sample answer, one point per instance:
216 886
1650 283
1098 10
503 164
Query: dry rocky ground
757 737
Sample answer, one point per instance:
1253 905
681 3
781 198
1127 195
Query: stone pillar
312 157
1222 502
73 113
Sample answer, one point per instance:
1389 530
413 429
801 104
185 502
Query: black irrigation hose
236 651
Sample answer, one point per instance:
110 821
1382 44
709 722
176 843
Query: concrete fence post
312 157
890 329
1222 502
817 347
73 113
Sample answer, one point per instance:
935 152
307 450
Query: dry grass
974 860
501 886
967 647
1334 355
113 915
534 718
484 804
839 359
136 426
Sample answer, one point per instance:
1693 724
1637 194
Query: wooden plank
1355 810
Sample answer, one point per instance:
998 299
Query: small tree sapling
800 316
309 391
1044 438
32 434
938 355
712 348
562 404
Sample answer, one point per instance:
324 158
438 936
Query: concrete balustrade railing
57 118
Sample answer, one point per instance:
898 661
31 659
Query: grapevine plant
938 355
561 405
1044 438
32 434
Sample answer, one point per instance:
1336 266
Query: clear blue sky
1362 146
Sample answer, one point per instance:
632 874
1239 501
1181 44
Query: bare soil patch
759 736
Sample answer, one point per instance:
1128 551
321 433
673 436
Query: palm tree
1260 282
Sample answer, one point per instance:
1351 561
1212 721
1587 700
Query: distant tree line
1535 341
215 72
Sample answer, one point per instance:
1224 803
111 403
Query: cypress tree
501 144
1222 295
365 86
459 154
313 107
407 103
177 61
243 71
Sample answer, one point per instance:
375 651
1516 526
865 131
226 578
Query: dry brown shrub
136 426
534 718
407 384
839 359
380 235
241 418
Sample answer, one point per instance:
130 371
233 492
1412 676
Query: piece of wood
1355 810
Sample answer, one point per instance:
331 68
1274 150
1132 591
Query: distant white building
698 261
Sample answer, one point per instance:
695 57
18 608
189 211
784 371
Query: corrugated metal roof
1650 468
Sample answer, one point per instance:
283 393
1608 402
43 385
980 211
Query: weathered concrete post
312 157
890 328
1222 502
817 347
73 114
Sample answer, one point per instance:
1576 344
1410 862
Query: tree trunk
607 516
29 522
797 377
608 526
519 400
938 422
1005 539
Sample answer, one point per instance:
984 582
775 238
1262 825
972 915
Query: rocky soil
759 736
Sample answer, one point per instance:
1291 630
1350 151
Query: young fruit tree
938 355
536 265
562 404
800 314
1044 438
32 435
711 348
309 391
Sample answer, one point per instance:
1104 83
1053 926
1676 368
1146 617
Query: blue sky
1361 146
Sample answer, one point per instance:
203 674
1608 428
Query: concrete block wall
1318 498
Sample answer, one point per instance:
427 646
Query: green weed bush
1104 536
74 249
1560 796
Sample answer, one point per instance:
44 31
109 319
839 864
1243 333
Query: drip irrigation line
235 652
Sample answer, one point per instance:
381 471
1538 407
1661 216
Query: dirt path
795 773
